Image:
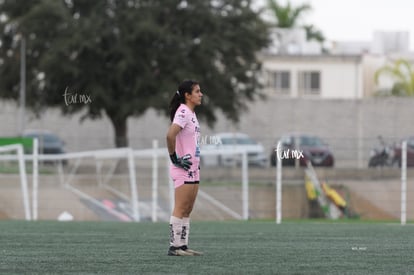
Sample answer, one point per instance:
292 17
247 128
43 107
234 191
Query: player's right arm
171 136
183 161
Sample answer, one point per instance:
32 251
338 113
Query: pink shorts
180 176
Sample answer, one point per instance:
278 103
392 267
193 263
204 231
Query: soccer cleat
177 251
193 252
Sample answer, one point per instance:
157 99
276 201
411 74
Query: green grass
230 248
14 169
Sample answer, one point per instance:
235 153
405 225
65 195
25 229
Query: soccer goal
90 185
8 166
240 175
333 205
123 184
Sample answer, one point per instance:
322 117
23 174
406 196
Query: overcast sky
342 20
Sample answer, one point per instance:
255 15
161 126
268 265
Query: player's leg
186 217
183 202
186 224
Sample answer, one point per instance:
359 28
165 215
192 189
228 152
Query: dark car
410 152
49 143
308 147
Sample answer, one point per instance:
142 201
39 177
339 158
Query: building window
309 83
279 81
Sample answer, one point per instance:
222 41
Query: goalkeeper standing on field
183 146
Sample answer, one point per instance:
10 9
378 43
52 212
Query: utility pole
22 101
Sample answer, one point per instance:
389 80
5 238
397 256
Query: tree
402 72
125 57
312 33
288 17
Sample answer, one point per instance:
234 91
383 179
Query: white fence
322 196
103 178
150 192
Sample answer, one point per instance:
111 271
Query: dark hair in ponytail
185 87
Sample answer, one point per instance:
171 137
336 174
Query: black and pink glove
182 162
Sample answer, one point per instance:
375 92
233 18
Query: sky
356 20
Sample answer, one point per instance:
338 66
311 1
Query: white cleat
177 251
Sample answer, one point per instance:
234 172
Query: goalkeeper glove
182 162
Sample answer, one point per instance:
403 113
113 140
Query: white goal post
244 180
116 153
404 183
157 152
157 164
155 169
22 172
403 195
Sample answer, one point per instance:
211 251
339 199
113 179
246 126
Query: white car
221 151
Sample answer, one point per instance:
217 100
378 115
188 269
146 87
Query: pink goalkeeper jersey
187 139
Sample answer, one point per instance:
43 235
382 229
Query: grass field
230 248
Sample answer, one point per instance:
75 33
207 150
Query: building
296 68
313 76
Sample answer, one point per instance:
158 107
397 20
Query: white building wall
341 77
340 81
371 63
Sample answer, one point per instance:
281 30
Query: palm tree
288 17
312 33
403 74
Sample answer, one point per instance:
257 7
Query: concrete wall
349 126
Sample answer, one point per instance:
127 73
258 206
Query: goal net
90 185
122 185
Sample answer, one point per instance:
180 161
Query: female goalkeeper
183 146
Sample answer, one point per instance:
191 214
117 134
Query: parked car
410 152
230 142
49 143
308 147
